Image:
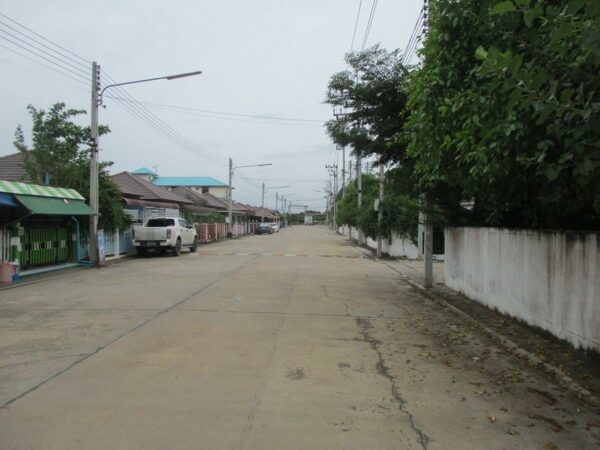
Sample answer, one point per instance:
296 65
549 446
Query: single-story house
142 199
39 225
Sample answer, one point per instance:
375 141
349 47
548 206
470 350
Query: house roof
11 168
132 185
191 194
214 201
14 187
143 171
188 181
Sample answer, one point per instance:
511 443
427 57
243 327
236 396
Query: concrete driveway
288 341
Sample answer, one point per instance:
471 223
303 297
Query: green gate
45 246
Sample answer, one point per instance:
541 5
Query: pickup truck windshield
158 223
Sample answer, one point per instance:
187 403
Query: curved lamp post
96 102
230 212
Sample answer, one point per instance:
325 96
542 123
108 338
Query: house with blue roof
204 185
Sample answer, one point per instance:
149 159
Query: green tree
400 210
504 112
374 91
60 156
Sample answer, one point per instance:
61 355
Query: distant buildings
204 185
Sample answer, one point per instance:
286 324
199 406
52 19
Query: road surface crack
383 370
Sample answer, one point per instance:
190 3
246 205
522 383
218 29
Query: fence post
428 244
117 242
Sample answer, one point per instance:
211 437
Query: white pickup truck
164 233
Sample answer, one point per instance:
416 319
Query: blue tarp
7 200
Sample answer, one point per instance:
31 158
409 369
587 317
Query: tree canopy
504 112
373 94
60 156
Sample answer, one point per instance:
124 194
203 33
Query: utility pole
344 171
380 212
359 186
93 235
428 244
262 203
333 171
96 102
230 205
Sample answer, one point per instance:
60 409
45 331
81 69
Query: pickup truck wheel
176 251
194 246
141 251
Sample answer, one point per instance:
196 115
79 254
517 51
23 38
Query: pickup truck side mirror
189 227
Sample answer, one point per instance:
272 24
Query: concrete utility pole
262 202
344 171
335 194
428 244
93 231
380 213
359 186
333 171
96 102
230 203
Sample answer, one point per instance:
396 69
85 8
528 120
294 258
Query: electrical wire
218 114
369 24
283 180
89 63
64 61
79 80
419 31
413 37
355 26
160 127
145 117
44 58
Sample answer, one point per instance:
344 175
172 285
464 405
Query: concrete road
287 341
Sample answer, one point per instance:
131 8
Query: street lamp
262 203
231 170
96 102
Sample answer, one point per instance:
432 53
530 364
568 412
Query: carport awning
7 200
55 206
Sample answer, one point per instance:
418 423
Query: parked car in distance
164 233
275 227
264 228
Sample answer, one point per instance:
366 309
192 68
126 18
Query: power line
355 26
65 59
145 117
413 36
218 114
419 30
368 30
43 57
46 39
283 180
79 80
160 127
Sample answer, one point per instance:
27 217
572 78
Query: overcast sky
267 58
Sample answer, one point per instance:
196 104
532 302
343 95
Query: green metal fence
45 246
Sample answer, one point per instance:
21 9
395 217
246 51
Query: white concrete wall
397 247
547 279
